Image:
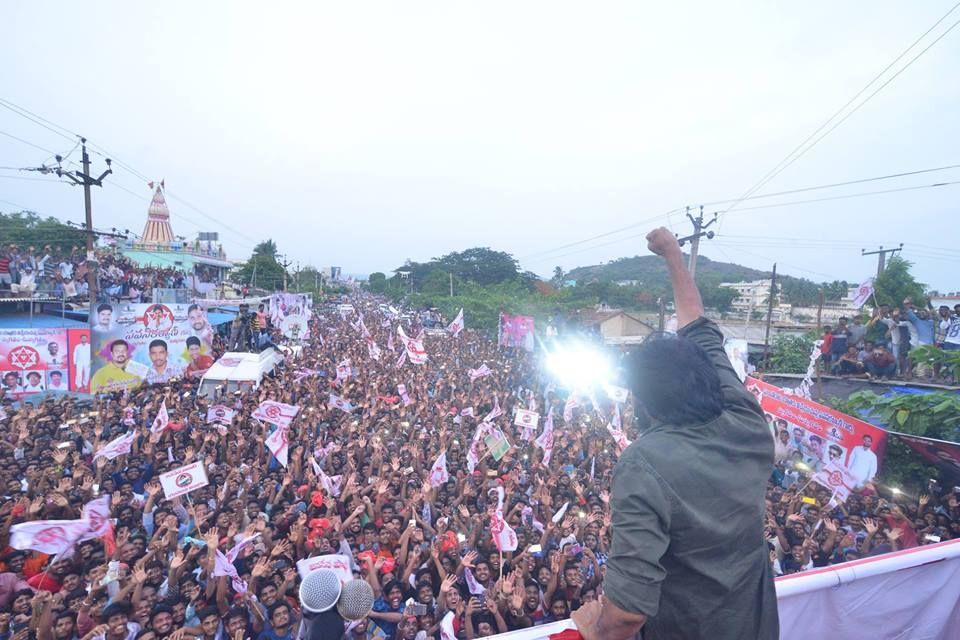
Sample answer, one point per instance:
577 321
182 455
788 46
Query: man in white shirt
81 363
863 462
53 351
34 382
55 381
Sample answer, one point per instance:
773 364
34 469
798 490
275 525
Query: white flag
562 511
503 535
162 420
276 413
447 631
438 472
279 445
339 403
568 408
120 446
473 453
48 536
545 440
220 413
457 325
838 479
416 353
480 372
864 291
97 514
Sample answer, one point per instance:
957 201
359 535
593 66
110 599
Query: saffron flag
456 326
120 446
276 413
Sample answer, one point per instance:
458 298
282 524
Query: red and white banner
467 412
162 421
496 412
48 536
279 445
119 446
942 453
456 326
615 428
390 341
221 414
571 404
415 350
820 433
337 563
223 567
183 480
438 472
864 291
545 440
516 331
276 413
344 371
337 402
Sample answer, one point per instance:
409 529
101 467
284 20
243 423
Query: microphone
356 600
319 591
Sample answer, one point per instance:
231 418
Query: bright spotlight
579 366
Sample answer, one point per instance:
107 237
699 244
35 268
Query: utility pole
820 311
451 285
86 180
766 337
662 322
881 254
284 264
694 238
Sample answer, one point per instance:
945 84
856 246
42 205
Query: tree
26 229
262 269
791 354
480 264
377 282
557 279
719 298
896 283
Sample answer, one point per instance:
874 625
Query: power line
38 119
787 161
27 142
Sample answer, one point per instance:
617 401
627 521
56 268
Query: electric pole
694 238
881 254
284 264
766 336
86 180
451 285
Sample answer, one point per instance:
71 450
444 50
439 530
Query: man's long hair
675 381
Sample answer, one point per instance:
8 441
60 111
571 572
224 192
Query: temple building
202 257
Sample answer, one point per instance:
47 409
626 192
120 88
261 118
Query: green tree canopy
262 269
27 229
897 283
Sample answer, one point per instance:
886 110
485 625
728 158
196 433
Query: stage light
579 366
895 490
802 466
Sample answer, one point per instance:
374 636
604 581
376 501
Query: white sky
362 134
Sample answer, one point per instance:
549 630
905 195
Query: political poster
78 371
516 332
34 360
817 434
284 305
526 418
497 444
942 453
148 343
183 480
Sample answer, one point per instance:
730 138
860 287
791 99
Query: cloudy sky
361 134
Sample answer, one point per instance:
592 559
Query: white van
238 371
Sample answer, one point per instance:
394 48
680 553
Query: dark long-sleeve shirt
688 507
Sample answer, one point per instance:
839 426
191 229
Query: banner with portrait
816 434
148 343
942 453
35 360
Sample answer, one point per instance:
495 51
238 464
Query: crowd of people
360 481
880 347
53 270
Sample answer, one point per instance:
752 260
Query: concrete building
616 326
753 297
